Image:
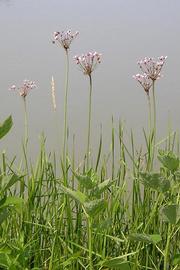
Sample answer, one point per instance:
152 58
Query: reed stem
89 120
65 107
154 123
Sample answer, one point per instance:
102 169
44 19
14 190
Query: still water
123 31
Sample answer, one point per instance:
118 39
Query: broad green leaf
103 225
104 185
13 202
76 195
169 160
177 176
84 180
116 263
155 181
176 259
164 185
87 180
5 126
115 239
4 260
2 201
4 213
4 247
156 238
70 260
171 213
9 181
147 238
95 206
100 188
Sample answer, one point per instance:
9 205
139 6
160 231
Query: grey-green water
123 31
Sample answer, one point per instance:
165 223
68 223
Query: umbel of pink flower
88 62
152 67
64 39
25 88
144 80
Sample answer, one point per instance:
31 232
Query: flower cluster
88 62
65 38
151 71
25 88
151 67
144 80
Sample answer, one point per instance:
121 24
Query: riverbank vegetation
97 215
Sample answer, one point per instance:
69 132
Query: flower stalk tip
64 39
25 88
152 67
144 80
88 62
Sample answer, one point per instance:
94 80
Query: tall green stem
166 256
154 108
25 123
149 113
154 120
89 120
25 133
25 146
90 240
150 132
90 243
65 107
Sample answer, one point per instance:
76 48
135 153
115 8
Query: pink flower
144 80
13 87
64 38
151 67
26 87
88 62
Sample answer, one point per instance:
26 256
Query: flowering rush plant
25 88
152 67
64 38
151 71
144 80
88 62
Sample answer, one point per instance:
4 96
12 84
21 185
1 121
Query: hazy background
123 31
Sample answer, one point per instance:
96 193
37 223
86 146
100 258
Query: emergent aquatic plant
87 63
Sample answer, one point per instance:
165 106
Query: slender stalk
154 106
90 243
68 215
113 149
25 144
149 113
25 148
65 107
154 122
89 120
166 256
89 224
25 123
153 211
150 150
